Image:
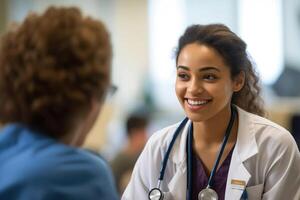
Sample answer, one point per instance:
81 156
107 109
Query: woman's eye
210 77
183 76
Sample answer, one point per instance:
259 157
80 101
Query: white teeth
196 103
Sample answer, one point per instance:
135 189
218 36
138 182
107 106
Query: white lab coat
265 159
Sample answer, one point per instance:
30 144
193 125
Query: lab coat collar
178 154
246 144
245 148
178 183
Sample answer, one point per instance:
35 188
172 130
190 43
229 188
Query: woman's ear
239 81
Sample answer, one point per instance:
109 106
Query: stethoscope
208 193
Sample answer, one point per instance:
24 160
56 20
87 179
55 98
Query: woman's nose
195 87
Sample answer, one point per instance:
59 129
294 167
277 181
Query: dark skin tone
204 88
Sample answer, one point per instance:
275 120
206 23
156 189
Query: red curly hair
51 67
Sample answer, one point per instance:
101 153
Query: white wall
213 11
131 50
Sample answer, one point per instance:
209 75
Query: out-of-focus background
144 34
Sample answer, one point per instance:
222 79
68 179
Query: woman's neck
210 133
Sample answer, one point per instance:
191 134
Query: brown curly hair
51 67
233 50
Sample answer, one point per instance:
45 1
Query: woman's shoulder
163 136
265 130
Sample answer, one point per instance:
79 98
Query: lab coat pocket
255 192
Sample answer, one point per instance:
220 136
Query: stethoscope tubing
167 154
220 153
165 160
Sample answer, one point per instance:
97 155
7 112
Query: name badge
238 184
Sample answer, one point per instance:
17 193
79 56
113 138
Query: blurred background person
136 132
54 75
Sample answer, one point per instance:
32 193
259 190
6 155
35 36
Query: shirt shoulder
46 168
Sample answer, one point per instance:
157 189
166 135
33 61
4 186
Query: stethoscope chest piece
207 194
156 194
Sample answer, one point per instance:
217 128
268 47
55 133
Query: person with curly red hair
54 75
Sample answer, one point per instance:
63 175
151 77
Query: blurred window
166 22
260 26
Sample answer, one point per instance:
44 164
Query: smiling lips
197 104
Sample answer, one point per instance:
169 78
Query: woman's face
203 84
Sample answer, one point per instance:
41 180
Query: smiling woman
204 85
217 88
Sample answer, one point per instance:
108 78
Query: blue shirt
36 167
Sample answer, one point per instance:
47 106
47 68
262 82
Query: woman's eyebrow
183 67
200 69
209 68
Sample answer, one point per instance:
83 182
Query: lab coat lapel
238 175
178 183
246 147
